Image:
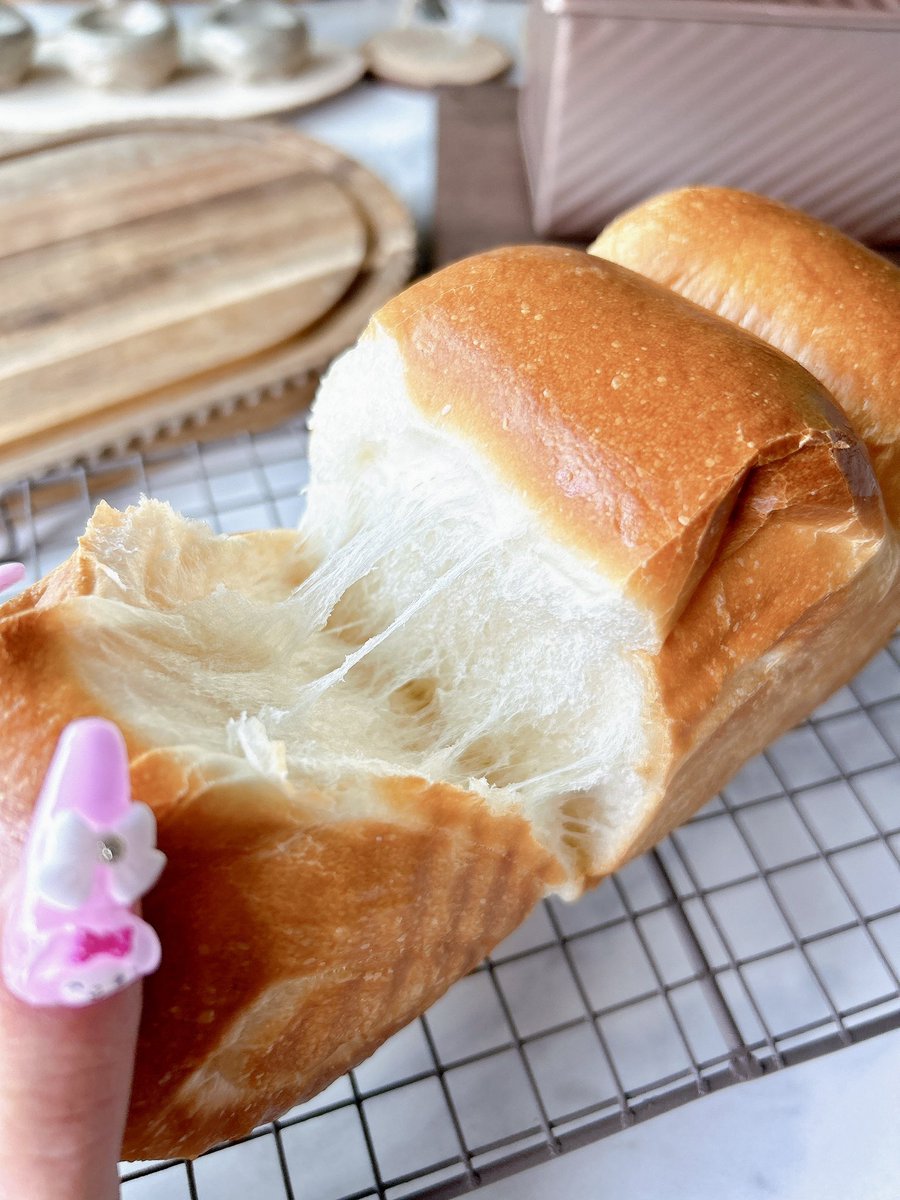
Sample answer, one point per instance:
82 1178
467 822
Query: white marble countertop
825 1130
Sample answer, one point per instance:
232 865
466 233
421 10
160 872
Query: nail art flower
70 935
125 852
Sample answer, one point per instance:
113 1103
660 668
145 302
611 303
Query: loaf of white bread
575 549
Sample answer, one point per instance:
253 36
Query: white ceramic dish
50 101
129 46
254 40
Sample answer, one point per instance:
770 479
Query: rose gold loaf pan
797 99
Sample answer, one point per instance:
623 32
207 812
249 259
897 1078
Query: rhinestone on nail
110 848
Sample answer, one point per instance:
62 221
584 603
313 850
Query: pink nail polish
10 573
70 936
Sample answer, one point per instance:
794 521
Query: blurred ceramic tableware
130 45
254 40
435 43
16 46
460 19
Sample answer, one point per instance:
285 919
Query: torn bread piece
799 284
574 550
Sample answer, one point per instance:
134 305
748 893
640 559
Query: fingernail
70 936
10 574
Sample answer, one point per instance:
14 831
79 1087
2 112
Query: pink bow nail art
70 936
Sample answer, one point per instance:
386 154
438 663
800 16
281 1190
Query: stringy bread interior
438 633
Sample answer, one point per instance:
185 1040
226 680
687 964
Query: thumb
72 952
65 1083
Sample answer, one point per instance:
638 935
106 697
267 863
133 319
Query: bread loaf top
799 284
632 421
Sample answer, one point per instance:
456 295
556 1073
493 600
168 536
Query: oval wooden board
150 273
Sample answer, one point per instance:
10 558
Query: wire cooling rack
764 932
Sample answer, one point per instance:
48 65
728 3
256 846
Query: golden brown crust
294 946
790 548
628 418
39 700
788 611
732 497
716 482
822 651
802 286
295 941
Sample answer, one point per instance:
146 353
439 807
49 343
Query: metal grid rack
764 932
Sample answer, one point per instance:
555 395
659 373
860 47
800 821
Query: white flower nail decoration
75 850
70 935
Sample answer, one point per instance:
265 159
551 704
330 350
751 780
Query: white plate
50 101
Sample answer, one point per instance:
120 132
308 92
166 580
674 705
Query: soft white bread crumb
440 633
556 582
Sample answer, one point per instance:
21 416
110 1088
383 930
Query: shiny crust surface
628 418
797 283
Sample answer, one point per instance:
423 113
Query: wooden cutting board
151 271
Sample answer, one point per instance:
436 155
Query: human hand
65 1081
74 954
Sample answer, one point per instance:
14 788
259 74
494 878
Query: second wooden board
148 272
